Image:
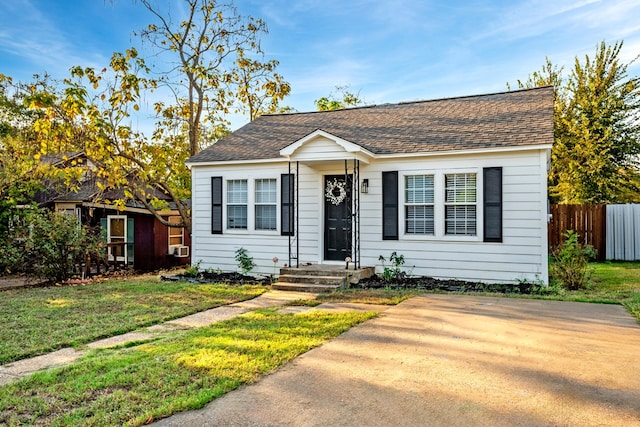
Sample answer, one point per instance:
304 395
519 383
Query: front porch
320 277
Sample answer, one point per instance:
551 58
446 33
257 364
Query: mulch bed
214 277
374 282
432 284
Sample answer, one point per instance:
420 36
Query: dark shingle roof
508 119
61 158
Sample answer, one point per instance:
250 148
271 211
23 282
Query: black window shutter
390 205
287 208
492 204
216 205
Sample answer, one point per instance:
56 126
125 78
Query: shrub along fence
588 221
613 230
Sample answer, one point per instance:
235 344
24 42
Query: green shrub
394 272
47 244
15 229
569 263
52 245
193 270
58 245
11 259
245 262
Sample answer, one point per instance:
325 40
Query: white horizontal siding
319 148
217 251
521 255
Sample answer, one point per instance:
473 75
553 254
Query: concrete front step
324 270
320 277
317 270
304 287
313 279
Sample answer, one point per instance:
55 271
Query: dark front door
337 217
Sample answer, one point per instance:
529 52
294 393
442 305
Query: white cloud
607 14
37 40
630 52
539 18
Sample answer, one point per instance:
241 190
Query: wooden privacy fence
588 221
613 230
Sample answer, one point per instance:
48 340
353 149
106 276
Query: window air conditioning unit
181 251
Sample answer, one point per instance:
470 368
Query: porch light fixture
364 188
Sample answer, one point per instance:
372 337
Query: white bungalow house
457 186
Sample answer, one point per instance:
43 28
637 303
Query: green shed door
103 230
130 241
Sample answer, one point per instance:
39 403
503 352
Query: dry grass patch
38 320
136 385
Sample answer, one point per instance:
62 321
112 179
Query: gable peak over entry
320 145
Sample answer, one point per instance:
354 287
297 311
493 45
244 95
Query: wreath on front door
336 191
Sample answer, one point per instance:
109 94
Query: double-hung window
266 191
419 209
460 204
237 204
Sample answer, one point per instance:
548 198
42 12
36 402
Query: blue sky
387 50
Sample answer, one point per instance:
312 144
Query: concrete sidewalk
21 368
450 360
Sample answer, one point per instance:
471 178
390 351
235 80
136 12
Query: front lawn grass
362 296
617 281
370 296
611 283
136 385
38 320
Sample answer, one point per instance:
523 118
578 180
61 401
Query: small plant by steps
245 262
394 271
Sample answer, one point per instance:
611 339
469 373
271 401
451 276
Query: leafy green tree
200 61
22 173
209 70
597 129
341 98
260 88
91 113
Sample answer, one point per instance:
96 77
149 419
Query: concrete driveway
448 360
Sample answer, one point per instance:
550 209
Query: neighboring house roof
89 191
59 159
508 119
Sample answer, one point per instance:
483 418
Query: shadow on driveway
444 360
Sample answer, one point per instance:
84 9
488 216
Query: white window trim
227 204
251 221
109 253
171 247
476 204
274 204
407 204
439 206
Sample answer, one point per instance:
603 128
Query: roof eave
484 150
234 162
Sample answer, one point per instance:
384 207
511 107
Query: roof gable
508 119
321 145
